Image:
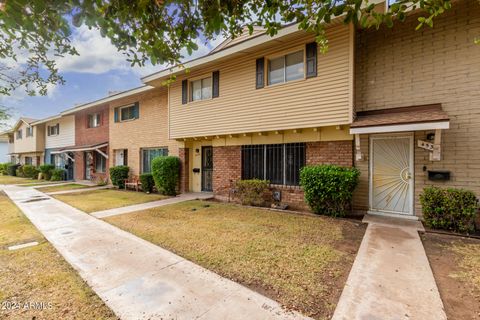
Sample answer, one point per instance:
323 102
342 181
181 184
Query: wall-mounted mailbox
196 170
438 175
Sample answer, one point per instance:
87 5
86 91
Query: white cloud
96 54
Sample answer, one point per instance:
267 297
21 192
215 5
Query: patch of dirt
461 298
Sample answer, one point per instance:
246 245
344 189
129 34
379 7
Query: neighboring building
138 128
28 142
401 67
59 136
4 149
91 141
263 107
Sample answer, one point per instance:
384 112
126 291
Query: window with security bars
277 163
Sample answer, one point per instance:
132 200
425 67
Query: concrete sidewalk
76 190
391 277
153 204
135 278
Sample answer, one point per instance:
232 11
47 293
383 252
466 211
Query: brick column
183 154
79 166
227 169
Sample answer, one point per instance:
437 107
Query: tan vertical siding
320 101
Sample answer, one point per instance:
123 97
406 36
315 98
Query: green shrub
46 170
12 169
166 174
252 192
3 168
30 171
57 175
147 182
450 209
328 188
118 174
19 172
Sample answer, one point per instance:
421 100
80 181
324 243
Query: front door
391 174
88 165
207 168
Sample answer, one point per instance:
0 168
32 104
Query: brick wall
183 154
403 67
89 136
227 166
150 130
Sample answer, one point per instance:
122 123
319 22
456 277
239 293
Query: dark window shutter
136 110
48 130
58 128
125 157
115 114
260 73
184 91
216 84
311 50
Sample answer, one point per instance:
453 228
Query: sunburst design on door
391 185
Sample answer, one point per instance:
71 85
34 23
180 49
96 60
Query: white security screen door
119 154
391 179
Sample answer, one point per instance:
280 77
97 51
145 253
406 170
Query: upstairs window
29 132
53 130
286 68
201 89
127 113
93 120
19 134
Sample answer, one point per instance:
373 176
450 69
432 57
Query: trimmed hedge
12 169
19 172
46 170
30 171
147 182
58 175
166 174
328 188
118 174
252 192
3 168
450 209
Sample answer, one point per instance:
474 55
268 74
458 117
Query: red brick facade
183 154
227 168
87 136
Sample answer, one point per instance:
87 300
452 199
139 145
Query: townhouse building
60 135
90 152
401 105
27 142
138 129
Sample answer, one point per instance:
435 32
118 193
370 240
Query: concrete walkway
153 204
135 278
77 190
391 277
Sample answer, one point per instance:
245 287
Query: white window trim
190 89
97 116
50 134
284 56
120 113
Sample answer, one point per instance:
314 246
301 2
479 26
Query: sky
98 70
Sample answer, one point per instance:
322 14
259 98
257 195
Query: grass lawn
63 187
16 180
300 261
97 200
455 262
39 274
